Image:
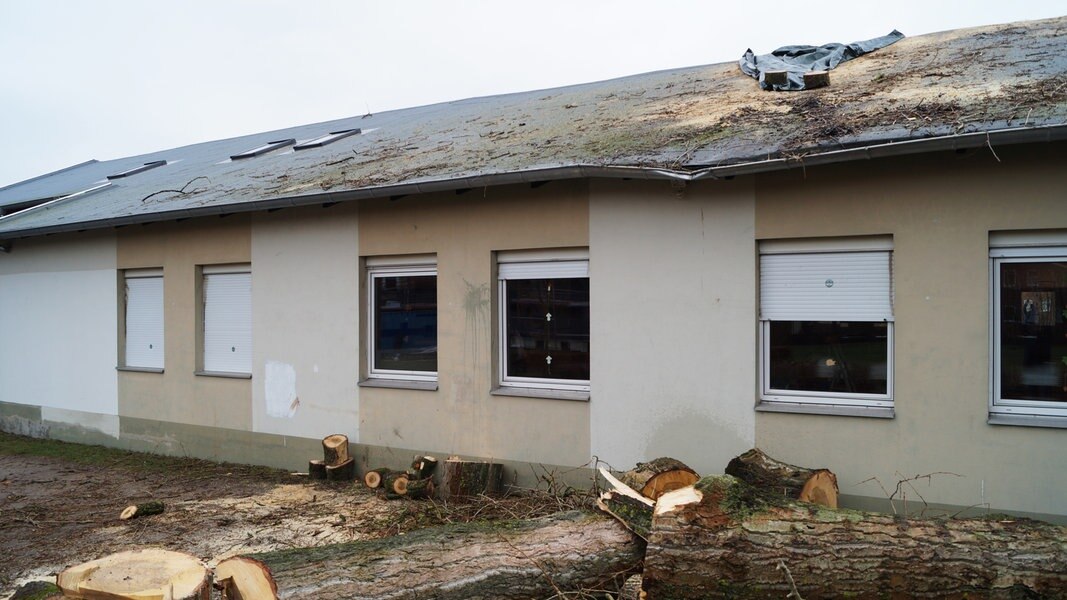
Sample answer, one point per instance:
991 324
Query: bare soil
60 505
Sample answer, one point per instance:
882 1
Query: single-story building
869 276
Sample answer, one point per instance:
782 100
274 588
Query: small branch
792 584
990 145
181 191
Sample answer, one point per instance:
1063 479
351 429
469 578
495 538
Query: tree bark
723 538
471 478
344 471
653 478
531 559
138 575
424 466
152 507
799 483
317 469
335 449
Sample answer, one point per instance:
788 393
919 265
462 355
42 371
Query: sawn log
724 538
138 575
754 467
527 559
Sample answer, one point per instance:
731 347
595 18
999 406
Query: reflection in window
1033 331
404 307
829 356
547 324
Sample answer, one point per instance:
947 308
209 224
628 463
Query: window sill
399 384
548 394
1028 420
223 374
139 369
837 410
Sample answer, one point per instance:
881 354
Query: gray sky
110 78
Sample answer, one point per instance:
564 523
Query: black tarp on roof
797 60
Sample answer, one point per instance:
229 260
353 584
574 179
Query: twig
181 191
990 145
792 584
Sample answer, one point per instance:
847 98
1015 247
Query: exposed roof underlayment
965 88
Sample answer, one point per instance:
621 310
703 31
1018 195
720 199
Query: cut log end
335 449
242 578
656 477
373 478
145 509
138 575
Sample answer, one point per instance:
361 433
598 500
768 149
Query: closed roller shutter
228 322
832 286
144 322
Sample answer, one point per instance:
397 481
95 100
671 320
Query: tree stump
317 469
818 486
471 478
335 449
345 471
153 507
373 478
724 538
653 478
138 575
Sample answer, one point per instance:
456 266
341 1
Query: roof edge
1013 136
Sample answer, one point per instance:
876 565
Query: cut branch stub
799 483
335 449
658 476
153 507
138 575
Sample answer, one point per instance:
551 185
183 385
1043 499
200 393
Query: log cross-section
335 449
149 574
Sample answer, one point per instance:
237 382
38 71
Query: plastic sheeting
797 60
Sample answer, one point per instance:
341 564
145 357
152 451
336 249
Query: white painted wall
59 324
305 323
672 286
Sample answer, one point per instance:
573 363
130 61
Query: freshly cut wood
416 489
471 478
724 538
660 475
242 578
317 469
754 467
335 449
153 507
776 77
373 478
537 558
423 466
393 481
630 508
150 574
346 471
816 79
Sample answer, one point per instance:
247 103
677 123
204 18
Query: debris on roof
785 68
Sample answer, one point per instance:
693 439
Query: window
402 318
826 323
544 320
1029 325
265 148
324 140
138 169
143 348
227 319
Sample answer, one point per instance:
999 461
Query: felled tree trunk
723 538
530 559
818 486
138 575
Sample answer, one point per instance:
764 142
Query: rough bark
816 79
660 475
630 508
416 489
723 538
530 559
317 469
335 449
345 471
799 483
392 481
138 575
470 478
144 509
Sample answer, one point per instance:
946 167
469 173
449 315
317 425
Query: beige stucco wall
178 395
672 321
305 290
940 211
463 231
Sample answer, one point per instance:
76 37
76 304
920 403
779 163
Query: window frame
380 267
820 401
550 262
206 271
1015 251
142 273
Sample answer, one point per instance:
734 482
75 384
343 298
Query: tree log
345 471
335 449
150 574
243 578
317 469
416 489
424 466
470 478
799 483
724 538
529 559
392 481
373 478
153 507
657 476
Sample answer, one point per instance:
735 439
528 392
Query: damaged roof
962 88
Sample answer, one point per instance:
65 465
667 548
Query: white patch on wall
280 390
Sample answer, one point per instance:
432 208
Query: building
870 277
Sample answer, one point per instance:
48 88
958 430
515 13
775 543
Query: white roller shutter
144 321
560 269
228 322
829 286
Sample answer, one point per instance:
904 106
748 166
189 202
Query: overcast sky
110 78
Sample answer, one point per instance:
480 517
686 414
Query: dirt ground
59 506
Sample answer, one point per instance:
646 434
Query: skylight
265 148
329 138
140 169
